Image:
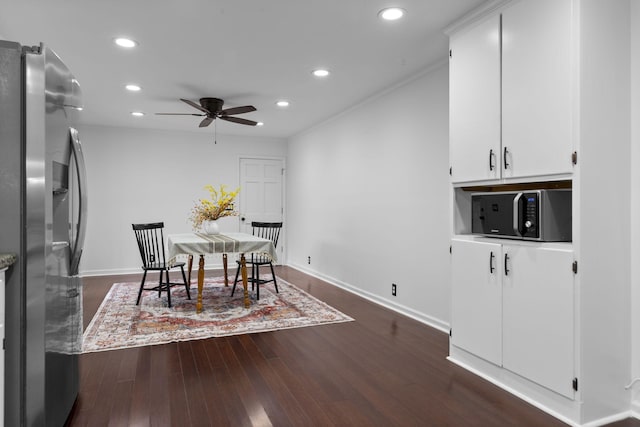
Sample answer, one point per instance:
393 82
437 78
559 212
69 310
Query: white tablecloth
202 244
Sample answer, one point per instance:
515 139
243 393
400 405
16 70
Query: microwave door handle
516 214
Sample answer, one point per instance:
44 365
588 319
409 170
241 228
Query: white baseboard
513 384
409 312
123 271
114 272
567 410
635 409
610 419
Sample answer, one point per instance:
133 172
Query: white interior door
261 193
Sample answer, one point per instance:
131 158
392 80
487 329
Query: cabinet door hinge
4 342
574 157
450 249
450 53
450 332
450 170
574 267
575 384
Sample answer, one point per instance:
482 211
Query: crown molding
475 15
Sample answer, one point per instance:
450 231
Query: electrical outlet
309 260
393 289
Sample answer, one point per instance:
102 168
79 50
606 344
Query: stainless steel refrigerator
42 221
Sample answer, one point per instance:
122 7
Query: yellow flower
219 205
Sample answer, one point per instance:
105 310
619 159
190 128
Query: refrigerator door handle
76 149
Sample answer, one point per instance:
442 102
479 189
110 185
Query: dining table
200 244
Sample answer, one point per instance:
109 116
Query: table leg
243 268
200 284
224 264
190 266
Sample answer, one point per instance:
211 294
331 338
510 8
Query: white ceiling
243 51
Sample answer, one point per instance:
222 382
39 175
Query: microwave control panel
530 215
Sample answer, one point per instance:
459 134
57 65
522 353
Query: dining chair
266 230
150 238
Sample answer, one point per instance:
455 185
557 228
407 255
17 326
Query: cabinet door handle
504 158
506 266
491 165
491 267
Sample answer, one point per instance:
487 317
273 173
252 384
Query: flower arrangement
219 205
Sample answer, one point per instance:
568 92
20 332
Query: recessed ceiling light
137 113
133 88
259 124
125 42
391 13
321 73
282 103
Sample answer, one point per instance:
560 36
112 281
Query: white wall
635 201
367 197
603 240
138 175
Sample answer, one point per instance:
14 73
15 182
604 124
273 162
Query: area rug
119 323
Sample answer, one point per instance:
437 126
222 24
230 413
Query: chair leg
274 277
187 285
257 282
144 276
235 282
253 276
168 288
160 285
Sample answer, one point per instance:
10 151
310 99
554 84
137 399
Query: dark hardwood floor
384 369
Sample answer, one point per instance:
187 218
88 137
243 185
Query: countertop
6 260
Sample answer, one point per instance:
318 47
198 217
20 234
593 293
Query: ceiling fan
212 109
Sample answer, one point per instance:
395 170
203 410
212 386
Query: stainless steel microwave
542 215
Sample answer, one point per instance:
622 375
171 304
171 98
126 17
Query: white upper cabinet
536 88
474 102
511 94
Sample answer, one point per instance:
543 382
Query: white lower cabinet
513 305
476 292
538 316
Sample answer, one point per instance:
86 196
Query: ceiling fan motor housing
212 104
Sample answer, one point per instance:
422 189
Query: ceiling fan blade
194 105
239 120
206 122
238 110
179 114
